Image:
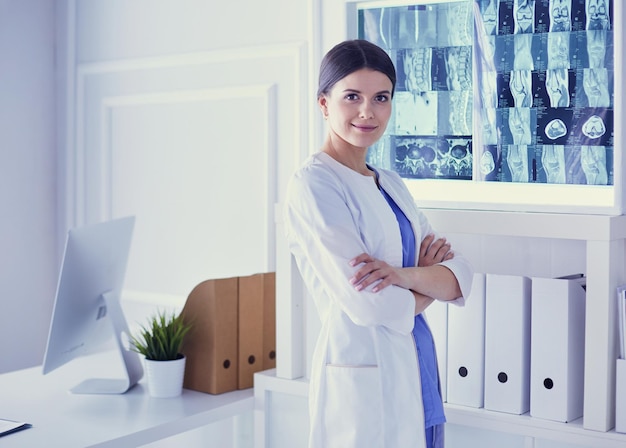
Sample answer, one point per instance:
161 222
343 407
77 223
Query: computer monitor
87 310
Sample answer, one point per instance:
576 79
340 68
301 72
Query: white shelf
538 225
605 269
525 425
522 425
604 236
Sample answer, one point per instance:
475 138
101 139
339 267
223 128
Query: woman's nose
366 111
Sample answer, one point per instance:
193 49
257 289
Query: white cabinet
604 237
605 251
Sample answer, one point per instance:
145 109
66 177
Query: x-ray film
499 90
432 158
554 83
429 133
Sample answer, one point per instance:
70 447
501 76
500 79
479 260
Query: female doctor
372 264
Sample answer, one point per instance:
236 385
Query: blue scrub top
429 373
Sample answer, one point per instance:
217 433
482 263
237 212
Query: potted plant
160 342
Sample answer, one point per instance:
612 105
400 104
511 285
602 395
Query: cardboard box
257 326
211 344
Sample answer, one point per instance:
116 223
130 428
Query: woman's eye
351 96
382 98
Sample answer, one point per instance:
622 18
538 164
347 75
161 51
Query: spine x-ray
430 132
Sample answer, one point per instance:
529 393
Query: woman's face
358 107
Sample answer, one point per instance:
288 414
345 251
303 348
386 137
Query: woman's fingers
364 272
433 252
426 242
361 258
371 271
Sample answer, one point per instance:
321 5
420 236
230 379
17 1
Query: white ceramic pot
165 378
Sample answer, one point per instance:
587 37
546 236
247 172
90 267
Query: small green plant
161 339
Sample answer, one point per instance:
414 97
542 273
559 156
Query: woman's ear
323 104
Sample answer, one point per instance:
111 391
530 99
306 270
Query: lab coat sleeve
323 236
459 265
463 272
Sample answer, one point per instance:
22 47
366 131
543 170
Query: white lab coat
365 387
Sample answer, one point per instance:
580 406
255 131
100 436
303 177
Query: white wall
175 112
28 257
172 111
186 115
190 115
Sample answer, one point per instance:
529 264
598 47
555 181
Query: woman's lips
365 128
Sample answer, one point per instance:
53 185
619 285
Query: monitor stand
133 370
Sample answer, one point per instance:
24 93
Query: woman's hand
433 252
374 270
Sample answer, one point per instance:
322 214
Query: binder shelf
604 238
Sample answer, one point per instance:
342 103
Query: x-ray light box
503 104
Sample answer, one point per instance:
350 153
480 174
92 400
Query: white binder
437 318
466 348
557 348
507 343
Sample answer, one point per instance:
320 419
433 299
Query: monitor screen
87 310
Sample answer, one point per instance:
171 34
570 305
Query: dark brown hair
348 57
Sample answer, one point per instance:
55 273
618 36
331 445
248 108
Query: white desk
60 418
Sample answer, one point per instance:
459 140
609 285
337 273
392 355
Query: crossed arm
428 281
